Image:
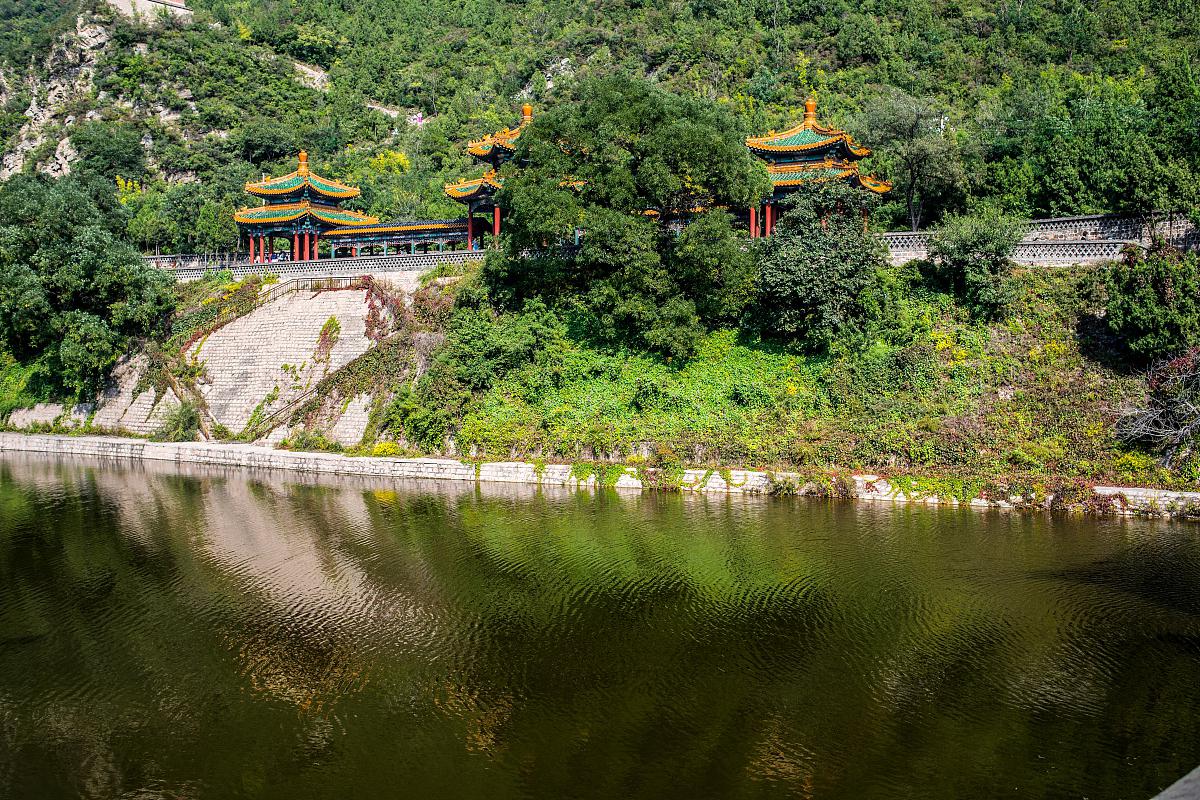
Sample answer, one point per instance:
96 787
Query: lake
206 633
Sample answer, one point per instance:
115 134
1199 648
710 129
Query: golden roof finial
810 110
526 112
303 170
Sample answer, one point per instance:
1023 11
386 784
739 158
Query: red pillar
251 241
295 246
307 247
496 221
770 218
316 252
262 249
753 222
470 233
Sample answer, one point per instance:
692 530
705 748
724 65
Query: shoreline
1104 500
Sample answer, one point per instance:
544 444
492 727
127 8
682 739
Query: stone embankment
1106 499
249 368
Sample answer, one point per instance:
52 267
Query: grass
16 389
952 400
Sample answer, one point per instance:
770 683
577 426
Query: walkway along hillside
1049 242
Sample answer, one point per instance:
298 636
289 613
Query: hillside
637 341
941 89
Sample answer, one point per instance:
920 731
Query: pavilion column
316 244
295 246
770 220
470 231
495 220
307 246
753 222
250 241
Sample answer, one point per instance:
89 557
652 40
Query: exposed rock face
71 67
144 8
311 76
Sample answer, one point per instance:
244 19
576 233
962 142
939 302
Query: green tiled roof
800 138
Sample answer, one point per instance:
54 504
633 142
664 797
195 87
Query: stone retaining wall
1117 500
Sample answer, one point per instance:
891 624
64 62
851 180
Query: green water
167 633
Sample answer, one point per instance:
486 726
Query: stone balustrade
1048 242
363 265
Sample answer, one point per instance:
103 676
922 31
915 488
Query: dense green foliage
820 275
28 26
624 167
1043 107
973 252
933 391
71 294
1154 301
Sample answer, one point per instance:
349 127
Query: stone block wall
1119 500
269 357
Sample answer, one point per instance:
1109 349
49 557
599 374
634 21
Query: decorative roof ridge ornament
295 182
810 110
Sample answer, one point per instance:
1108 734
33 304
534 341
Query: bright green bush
182 424
1154 301
974 253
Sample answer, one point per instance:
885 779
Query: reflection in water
206 633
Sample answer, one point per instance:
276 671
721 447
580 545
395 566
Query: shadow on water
1164 572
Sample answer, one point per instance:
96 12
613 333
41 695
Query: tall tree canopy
71 293
623 167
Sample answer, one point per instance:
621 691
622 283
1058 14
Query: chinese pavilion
303 208
804 153
478 194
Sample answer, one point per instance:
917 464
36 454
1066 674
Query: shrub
973 252
386 450
820 274
181 425
1154 301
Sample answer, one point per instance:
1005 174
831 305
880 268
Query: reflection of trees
343 634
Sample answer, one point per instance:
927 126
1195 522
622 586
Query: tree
71 294
1154 301
709 259
1170 422
914 149
628 164
974 252
820 274
215 228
